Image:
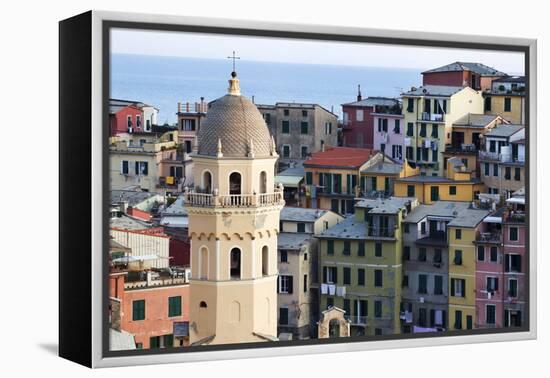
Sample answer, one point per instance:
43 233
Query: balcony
431 117
489 237
462 148
356 320
503 158
381 232
515 216
193 199
435 239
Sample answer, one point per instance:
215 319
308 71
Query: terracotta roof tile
340 157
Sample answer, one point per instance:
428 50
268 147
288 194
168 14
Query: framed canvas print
233 189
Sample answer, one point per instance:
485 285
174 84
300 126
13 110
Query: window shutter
279 282
325 274
290 284
136 165
335 275
507 263
453 287
432 317
506 318
496 284
519 263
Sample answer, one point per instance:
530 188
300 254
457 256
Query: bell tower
233 225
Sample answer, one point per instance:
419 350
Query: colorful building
378 176
461 74
361 266
506 98
429 114
389 132
190 117
458 184
332 178
502 159
358 125
298 264
466 138
233 225
131 116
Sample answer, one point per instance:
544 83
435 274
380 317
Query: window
410 190
435 131
452 190
139 345
405 281
508 173
410 131
330 274
438 285
495 169
458 234
421 254
303 127
514 234
304 113
410 105
330 247
305 283
305 256
361 277
359 115
486 170
423 130
487 104
235 264
141 168
286 151
458 287
361 249
513 263
438 258
396 151
347 248
434 193
286 112
492 146
458 257
490 317
422 283
347 306
377 278
378 250
480 253
286 127
265 260
406 228
507 104
517 174
330 302
347 276
283 316
494 254
303 150
309 178
284 255
138 310
285 284
267 118
397 126
409 152
377 309
301 227
328 128
174 306
406 253
492 284
124 167
513 288
422 228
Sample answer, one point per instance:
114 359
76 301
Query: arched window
207 182
265 260
235 264
203 304
203 274
263 182
235 183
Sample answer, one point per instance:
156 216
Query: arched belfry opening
263 182
235 264
235 182
207 182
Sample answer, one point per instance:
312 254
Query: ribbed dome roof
235 121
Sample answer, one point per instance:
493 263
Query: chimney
187 107
148 278
203 105
179 107
359 97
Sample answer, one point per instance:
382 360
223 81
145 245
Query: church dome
236 124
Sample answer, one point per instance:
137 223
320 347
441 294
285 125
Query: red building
124 117
358 122
462 74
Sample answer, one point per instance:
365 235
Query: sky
212 46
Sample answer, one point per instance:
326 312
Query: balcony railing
515 217
234 200
381 232
489 237
432 117
461 148
503 158
356 320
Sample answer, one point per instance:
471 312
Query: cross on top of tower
234 72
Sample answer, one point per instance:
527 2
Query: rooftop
374 101
504 130
434 179
510 79
478 68
462 214
346 157
292 240
125 222
384 168
391 205
349 228
116 105
433 90
133 197
176 208
301 214
475 120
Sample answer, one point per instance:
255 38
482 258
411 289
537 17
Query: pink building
389 135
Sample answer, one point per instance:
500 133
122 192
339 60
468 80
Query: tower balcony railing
234 200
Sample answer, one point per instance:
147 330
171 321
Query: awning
490 219
130 259
520 200
289 181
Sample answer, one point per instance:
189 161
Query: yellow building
507 99
457 185
378 176
462 267
233 225
137 159
429 113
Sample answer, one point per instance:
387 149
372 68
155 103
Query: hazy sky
213 46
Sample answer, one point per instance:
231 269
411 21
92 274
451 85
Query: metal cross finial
234 58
